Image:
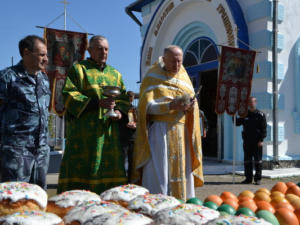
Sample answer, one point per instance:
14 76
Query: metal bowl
111 91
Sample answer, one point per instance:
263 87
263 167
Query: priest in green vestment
93 159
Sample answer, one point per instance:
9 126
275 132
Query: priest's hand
117 117
107 103
180 106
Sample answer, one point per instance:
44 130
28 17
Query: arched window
200 51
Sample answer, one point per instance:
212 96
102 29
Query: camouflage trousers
25 164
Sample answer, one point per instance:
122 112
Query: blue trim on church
240 21
236 12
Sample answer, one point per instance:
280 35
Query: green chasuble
92 159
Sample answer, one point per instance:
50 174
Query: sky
19 18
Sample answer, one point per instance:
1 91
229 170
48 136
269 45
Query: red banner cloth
235 79
64 49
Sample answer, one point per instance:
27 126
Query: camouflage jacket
24 102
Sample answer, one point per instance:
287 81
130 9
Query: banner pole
234 149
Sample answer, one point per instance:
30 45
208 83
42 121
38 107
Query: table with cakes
27 204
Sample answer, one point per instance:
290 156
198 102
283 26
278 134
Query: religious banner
64 49
235 79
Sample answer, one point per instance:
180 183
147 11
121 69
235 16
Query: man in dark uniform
24 102
128 130
254 132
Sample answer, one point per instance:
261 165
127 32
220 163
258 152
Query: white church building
200 27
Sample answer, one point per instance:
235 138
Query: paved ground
214 184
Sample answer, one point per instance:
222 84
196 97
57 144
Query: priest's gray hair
170 48
96 38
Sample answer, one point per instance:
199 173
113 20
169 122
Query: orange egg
296 203
286 217
232 202
291 197
277 200
214 198
246 193
263 205
280 186
277 194
248 204
290 184
284 205
293 190
263 190
262 196
227 194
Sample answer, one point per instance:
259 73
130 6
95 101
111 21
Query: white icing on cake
121 218
149 204
74 197
88 211
16 191
31 218
238 220
124 193
187 214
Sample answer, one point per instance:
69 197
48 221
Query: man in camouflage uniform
24 101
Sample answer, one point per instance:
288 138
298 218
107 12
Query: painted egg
286 217
280 186
245 198
263 205
297 213
277 194
245 211
290 184
284 205
214 198
227 194
195 201
295 203
210 205
249 205
262 196
291 197
263 190
277 200
267 216
246 193
294 190
231 202
227 208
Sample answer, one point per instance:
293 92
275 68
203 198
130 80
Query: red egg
297 213
227 194
293 190
284 205
231 202
263 205
286 217
248 204
280 186
290 184
214 198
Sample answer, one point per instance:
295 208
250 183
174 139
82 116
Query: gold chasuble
93 159
162 86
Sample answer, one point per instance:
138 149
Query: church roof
138 5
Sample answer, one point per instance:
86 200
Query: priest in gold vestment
168 155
